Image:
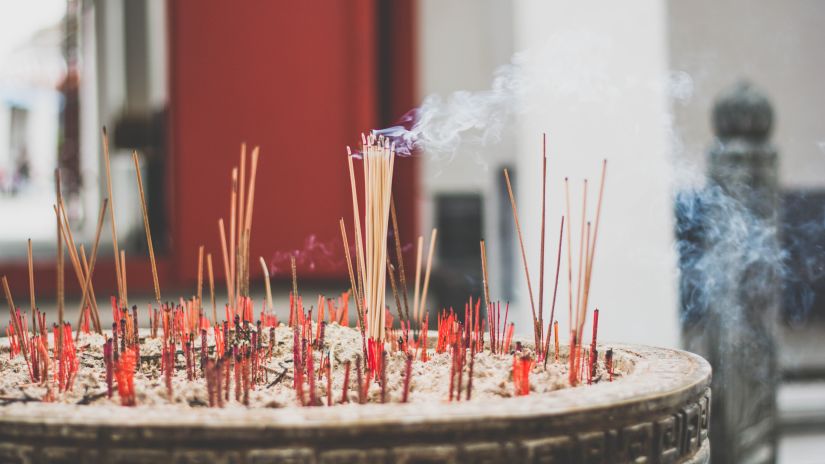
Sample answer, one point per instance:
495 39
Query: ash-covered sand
492 376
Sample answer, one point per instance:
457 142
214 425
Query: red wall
299 80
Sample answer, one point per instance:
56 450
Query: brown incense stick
94 314
250 203
212 287
14 320
523 252
399 257
240 223
123 276
146 227
582 249
233 246
68 240
112 213
227 271
416 294
569 254
88 282
394 287
359 244
267 285
484 278
540 325
555 292
200 277
60 276
31 283
353 283
294 289
423 302
592 251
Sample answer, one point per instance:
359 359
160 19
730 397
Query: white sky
19 19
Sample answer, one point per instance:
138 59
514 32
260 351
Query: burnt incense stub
658 411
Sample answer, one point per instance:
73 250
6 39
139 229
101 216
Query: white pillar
603 75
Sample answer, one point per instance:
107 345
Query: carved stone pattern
671 438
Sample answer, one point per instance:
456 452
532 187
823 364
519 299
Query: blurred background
184 82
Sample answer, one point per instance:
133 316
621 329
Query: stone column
730 286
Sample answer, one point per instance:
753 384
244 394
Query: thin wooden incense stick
484 277
356 296
60 276
212 287
582 249
359 244
417 293
540 325
241 205
116 253
592 250
250 203
523 252
146 227
555 291
14 320
423 302
399 257
233 211
200 277
294 309
123 276
30 262
227 270
267 284
88 283
569 254
68 240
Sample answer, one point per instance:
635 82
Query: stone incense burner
658 412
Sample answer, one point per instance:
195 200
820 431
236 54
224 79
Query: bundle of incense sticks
378 158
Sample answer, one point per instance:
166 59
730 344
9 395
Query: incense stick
241 229
87 284
267 284
245 228
399 258
423 301
123 275
416 295
540 325
359 244
227 272
112 212
569 254
146 227
14 320
523 252
200 277
60 276
212 287
582 249
232 243
31 283
353 283
592 251
68 240
484 278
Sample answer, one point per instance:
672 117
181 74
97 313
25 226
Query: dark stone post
731 286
